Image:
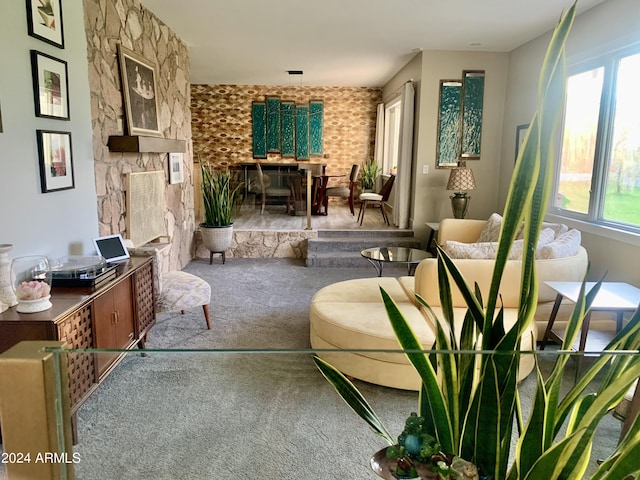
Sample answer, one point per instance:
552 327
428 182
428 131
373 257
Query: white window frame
391 146
592 221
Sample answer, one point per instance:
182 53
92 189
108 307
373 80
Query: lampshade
461 178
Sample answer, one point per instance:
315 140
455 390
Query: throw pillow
491 230
481 250
547 235
566 245
558 228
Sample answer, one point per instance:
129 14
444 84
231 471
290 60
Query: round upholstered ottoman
349 316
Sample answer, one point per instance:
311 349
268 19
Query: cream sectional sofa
350 315
561 268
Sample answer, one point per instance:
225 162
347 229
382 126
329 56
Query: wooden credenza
116 315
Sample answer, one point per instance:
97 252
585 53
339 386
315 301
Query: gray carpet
234 415
216 415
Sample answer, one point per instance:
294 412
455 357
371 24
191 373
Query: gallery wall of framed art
50 76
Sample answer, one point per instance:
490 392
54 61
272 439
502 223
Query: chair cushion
278 191
337 192
182 291
370 196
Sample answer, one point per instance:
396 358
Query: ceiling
360 43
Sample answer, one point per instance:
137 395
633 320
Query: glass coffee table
378 256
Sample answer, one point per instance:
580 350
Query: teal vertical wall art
302 132
449 123
281 126
273 124
315 127
472 109
259 129
288 129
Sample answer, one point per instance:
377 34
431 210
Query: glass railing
258 414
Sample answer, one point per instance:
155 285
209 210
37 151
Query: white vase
216 239
7 296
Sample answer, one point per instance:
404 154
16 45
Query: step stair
341 248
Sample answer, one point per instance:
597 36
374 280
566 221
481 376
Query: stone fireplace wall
107 24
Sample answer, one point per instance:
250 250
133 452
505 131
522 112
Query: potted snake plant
219 197
368 175
470 403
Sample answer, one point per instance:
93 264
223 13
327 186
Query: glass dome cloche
31 282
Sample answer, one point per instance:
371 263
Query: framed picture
521 132
471 117
56 162
176 168
44 21
50 86
140 93
448 141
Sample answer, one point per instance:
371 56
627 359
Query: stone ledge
262 244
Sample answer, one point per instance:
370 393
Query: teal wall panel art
315 127
259 129
472 107
288 129
273 124
302 132
449 123
282 127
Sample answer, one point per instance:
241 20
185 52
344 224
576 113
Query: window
598 177
391 136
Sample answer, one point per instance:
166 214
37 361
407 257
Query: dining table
313 171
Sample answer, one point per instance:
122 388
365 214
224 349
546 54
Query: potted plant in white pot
470 404
368 175
218 197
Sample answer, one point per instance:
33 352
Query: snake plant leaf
437 409
480 425
550 465
470 299
624 461
350 394
626 339
413 349
448 367
530 445
590 410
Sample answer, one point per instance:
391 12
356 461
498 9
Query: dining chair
376 199
271 191
343 191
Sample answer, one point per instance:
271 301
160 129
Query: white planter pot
216 239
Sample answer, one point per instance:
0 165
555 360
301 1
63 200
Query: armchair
177 291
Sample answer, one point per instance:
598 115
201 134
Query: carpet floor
176 413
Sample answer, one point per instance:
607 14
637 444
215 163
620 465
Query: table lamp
460 180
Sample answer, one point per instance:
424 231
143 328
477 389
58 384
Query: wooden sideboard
116 315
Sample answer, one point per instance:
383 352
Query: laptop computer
112 248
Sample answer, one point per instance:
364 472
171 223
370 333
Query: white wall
57 223
431 200
611 24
